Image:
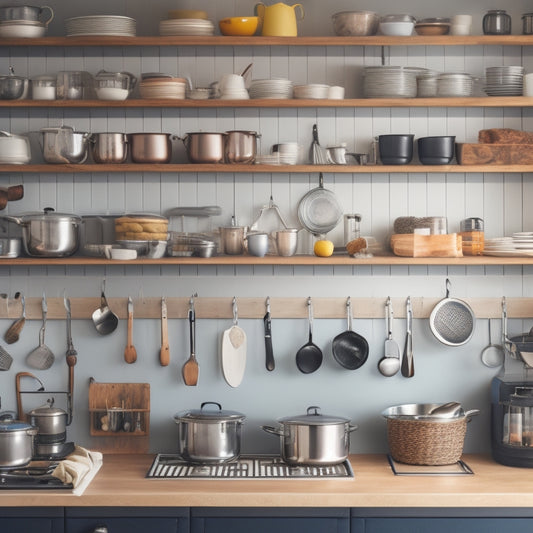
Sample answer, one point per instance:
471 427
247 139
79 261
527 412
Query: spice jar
497 22
473 235
351 227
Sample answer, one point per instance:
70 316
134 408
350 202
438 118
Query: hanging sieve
452 321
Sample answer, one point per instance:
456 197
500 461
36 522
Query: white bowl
123 254
111 93
29 31
396 28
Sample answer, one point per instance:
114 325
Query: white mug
527 89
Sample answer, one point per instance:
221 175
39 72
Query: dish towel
79 468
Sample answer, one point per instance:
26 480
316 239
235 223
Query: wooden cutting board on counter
494 154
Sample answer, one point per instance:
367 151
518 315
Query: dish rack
120 416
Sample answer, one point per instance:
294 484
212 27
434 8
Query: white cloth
79 468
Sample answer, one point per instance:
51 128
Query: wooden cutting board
414 245
494 154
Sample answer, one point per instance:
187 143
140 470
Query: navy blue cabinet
441 520
126 520
25 519
264 520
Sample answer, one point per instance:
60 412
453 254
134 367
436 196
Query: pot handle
352 428
32 431
211 403
273 430
471 413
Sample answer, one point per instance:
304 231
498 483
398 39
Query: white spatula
233 354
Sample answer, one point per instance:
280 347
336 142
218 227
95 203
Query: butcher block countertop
121 482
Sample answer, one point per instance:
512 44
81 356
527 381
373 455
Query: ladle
41 357
104 320
389 364
309 356
493 354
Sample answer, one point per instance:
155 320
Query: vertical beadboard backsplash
441 373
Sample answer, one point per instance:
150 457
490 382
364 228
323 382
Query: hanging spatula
191 370
130 353
234 351
41 357
164 353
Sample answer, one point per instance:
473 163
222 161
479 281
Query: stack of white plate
455 84
523 240
269 159
520 244
427 85
312 91
163 88
186 27
391 82
274 88
101 25
504 81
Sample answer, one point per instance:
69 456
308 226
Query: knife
164 354
270 365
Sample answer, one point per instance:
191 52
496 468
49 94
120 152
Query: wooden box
414 245
494 154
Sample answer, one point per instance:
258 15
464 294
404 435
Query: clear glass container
44 87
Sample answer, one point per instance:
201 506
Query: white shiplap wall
441 373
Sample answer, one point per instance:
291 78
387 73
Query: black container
438 150
396 149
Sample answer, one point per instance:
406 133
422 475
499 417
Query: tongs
270 207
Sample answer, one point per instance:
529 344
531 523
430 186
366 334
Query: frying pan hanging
319 210
452 321
349 348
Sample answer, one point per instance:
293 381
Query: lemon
323 248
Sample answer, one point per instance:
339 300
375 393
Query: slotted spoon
41 357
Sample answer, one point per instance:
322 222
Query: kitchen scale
172 466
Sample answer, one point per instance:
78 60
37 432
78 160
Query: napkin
79 468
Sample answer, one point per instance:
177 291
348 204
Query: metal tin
497 22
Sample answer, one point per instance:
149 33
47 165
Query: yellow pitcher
279 20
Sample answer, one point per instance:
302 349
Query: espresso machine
512 401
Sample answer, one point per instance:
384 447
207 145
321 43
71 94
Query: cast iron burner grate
36 475
172 466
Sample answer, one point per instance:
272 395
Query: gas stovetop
36 475
172 466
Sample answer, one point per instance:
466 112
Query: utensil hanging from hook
233 355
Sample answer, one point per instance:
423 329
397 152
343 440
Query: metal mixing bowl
347 23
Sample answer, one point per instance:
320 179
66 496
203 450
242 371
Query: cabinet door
445 525
127 520
22 520
263 520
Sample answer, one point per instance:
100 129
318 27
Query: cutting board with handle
233 352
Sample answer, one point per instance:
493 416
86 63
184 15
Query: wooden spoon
13 332
164 354
130 353
191 369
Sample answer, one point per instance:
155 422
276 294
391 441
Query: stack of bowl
398 25
159 85
452 84
313 91
186 22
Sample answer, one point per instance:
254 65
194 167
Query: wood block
414 245
497 154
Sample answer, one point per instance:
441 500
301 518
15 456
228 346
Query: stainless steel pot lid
47 410
313 417
209 415
47 214
9 426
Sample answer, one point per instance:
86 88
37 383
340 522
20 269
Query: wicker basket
426 442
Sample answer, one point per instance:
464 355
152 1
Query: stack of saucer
186 27
312 91
504 81
162 86
455 84
101 25
273 88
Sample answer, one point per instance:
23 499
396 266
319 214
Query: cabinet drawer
445 525
22 520
269 520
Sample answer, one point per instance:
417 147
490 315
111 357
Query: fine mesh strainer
452 321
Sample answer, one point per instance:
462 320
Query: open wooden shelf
323 40
297 260
259 169
477 101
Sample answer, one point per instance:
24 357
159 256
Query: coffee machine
512 402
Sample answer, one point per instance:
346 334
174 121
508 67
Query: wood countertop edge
374 485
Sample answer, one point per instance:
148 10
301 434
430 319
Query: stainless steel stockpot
205 147
51 422
209 435
150 147
240 146
313 438
109 147
16 443
47 233
64 145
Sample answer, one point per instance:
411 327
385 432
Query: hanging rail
254 307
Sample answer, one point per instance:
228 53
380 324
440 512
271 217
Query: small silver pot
205 147
150 147
12 87
64 145
208 435
313 438
16 443
240 146
51 422
109 147
232 239
47 233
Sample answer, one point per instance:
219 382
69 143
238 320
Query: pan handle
272 430
310 315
